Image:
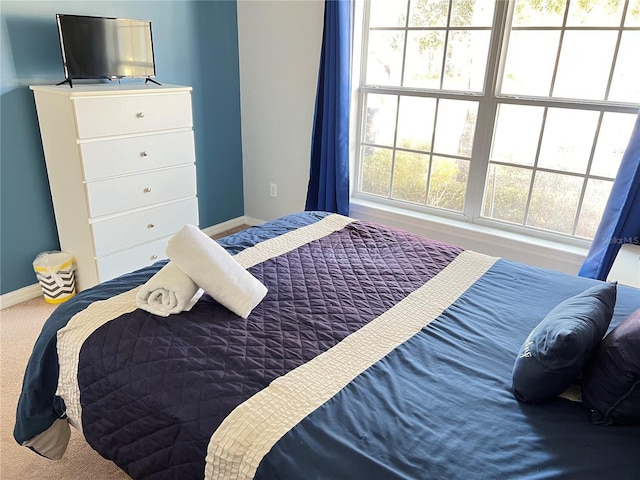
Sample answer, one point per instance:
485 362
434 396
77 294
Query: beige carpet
19 328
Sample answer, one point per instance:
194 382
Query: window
513 114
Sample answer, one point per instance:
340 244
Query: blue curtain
329 173
621 218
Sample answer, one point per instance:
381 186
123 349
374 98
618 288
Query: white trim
254 221
228 225
480 238
626 267
21 295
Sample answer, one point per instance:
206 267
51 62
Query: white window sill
491 241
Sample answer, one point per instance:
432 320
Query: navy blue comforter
154 389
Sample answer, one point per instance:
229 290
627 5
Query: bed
375 354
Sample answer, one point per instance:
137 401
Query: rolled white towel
213 269
168 291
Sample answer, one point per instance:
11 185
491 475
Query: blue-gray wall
195 43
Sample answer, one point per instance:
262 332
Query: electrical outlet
273 190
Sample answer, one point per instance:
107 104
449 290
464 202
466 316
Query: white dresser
121 167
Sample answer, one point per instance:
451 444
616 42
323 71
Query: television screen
101 47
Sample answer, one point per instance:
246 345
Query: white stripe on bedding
71 338
250 431
290 241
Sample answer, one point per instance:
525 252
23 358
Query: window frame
488 101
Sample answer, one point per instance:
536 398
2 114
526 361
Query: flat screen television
105 48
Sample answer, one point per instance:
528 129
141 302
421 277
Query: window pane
470 13
556 126
448 183
428 13
567 139
633 14
455 127
517 134
613 138
425 52
384 62
536 14
585 64
376 170
415 123
530 62
410 173
506 193
380 121
625 85
554 201
595 199
595 13
388 14
466 60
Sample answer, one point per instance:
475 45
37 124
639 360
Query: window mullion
394 146
446 46
560 42
404 47
485 122
535 169
615 52
587 175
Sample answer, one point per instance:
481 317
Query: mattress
375 354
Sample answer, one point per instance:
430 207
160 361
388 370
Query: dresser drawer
133 259
142 226
108 158
119 115
119 194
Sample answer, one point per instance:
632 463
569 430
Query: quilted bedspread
171 381
376 354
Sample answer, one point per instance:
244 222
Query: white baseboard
224 226
254 221
21 295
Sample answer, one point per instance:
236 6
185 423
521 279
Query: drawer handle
154 257
147 190
151 225
140 115
144 154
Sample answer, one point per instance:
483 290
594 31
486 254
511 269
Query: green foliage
554 202
523 7
443 183
447 179
410 177
448 184
430 13
506 193
376 171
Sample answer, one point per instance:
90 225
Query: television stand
68 80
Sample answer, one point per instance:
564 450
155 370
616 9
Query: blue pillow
556 351
611 381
